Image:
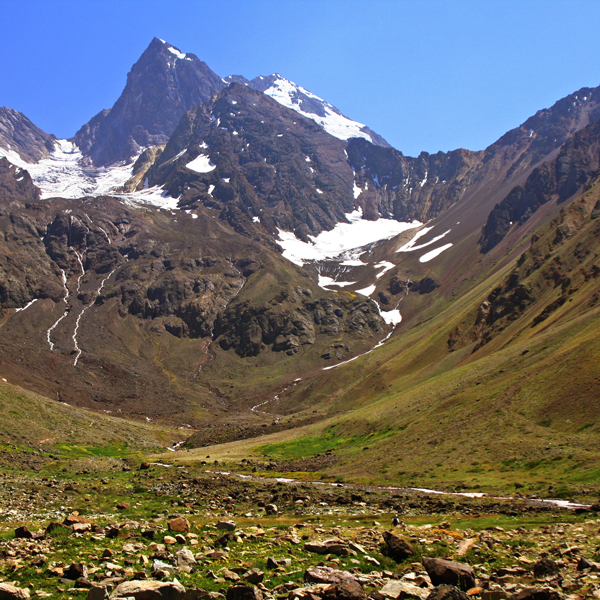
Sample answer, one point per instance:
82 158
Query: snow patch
433 253
366 291
201 164
386 266
325 282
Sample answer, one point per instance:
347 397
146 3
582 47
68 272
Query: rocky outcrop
556 181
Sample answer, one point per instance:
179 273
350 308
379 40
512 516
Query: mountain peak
161 86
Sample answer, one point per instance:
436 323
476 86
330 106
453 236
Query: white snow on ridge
342 238
367 291
63 175
334 123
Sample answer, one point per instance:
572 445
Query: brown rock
244 592
447 592
10 592
342 585
544 568
149 590
271 509
75 571
97 592
180 525
70 519
332 546
398 548
254 576
226 524
536 594
443 571
23 532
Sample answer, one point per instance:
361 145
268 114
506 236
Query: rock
149 534
447 592
545 568
332 546
184 558
401 589
81 527
226 524
180 525
230 575
398 548
443 571
198 594
23 532
271 509
123 505
149 590
536 594
342 584
254 576
169 540
75 571
54 527
10 592
70 519
244 592
97 592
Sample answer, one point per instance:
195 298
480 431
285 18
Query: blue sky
427 75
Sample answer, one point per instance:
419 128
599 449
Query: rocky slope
124 303
19 135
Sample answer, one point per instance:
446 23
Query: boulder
149 590
10 592
184 558
332 546
23 532
443 571
75 571
180 525
271 509
398 548
447 592
545 568
244 592
254 576
97 592
536 594
342 585
401 589
226 524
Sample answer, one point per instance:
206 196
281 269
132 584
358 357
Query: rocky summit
248 351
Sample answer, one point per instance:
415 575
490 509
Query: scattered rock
271 509
75 571
226 524
536 594
333 546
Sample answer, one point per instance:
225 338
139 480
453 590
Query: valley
223 294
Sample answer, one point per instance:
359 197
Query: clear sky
425 74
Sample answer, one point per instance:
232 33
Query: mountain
161 86
311 106
260 271
20 136
130 307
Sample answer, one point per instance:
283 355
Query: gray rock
149 590
447 592
226 524
244 592
398 548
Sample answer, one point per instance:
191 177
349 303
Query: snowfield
344 237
